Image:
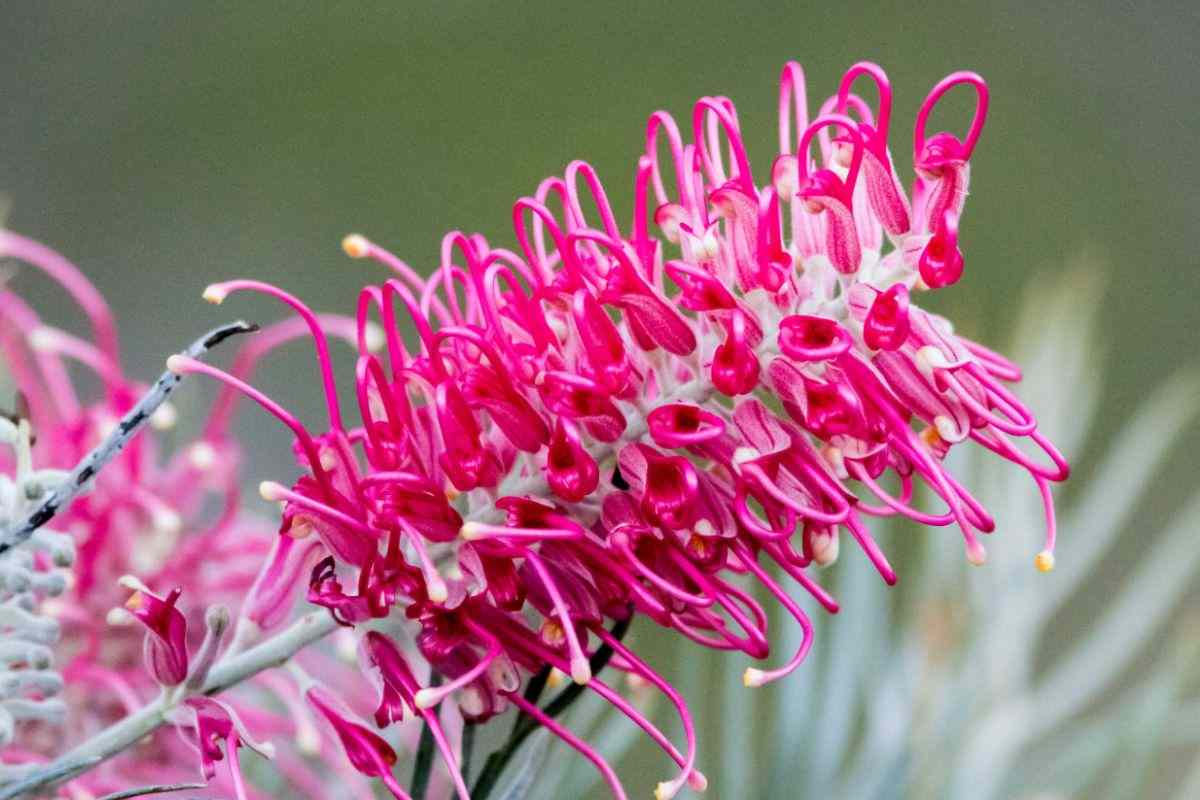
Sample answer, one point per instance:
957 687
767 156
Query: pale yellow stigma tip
425 698
119 617
356 246
166 520
308 741
556 678
215 294
164 417
270 491
438 592
374 337
581 672
1044 561
664 791
203 455
43 339
132 583
177 364
471 531
752 678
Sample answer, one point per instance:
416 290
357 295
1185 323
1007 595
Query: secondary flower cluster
145 514
606 421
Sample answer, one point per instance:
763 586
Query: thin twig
423 765
59 497
468 750
163 788
494 767
131 729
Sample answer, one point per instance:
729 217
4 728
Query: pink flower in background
118 640
610 421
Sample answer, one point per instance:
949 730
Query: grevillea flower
150 515
609 421
166 633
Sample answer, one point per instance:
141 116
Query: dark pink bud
681 425
166 634
570 469
670 486
324 589
653 319
467 461
503 583
366 750
884 191
270 598
735 366
620 514
602 341
808 338
579 398
931 156
886 326
824 191
833 408
523 512
699 289
941 261
487 389
774 261
217 722
212 727
397 682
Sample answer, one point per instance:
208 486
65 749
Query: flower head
607 421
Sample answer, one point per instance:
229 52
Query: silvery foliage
971 683
29 575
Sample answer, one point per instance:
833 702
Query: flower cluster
174 520
606 421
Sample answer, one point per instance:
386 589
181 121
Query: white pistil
271 491
753 678
356 246
215 294
202 455
164 417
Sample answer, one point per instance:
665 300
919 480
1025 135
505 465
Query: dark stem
424 763
468 750
81 477
525 725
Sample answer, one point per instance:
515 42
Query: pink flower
608 422
149 514
166 634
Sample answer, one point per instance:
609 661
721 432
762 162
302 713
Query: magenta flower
166 634
607 422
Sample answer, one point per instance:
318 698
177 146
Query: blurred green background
164 146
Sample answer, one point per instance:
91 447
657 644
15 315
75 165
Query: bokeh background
164 146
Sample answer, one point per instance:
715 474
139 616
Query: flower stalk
226 673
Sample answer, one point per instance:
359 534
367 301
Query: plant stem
468 750
131 729
81 477
424 761
525 725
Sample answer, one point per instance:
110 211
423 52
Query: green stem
468 750
494 767
424 763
